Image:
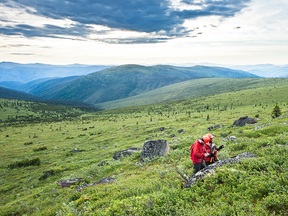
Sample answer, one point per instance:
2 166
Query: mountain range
23 73
122 82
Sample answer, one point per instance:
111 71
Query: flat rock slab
231 138
103 180
202 173
241 122
125 153
214 127
154 148
67 183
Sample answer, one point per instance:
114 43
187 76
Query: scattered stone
67 183
211 168
154 148
231 138
258 127
181 131
172 135
283 116
241 122
75 150
240 131
214 127
103 180
161 129
103 163
46 175
124 153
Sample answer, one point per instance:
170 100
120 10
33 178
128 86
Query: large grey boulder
202 173
154 148
103 180
125 153
241 122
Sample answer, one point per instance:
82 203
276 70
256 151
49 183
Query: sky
147 32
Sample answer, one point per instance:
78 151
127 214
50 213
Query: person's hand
206 154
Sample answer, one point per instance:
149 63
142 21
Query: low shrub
42 148
28 143
26 162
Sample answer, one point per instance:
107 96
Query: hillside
11 94
193 88
41 86
76 149
130 80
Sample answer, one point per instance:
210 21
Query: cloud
21 54
157 18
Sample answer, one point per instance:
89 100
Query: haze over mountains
124 85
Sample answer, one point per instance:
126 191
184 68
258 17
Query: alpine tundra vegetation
77 147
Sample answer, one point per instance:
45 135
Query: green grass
195 88
254 187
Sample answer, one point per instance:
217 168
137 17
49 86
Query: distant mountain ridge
264 70
10 71
129 80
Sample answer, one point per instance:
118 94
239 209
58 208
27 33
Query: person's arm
221 147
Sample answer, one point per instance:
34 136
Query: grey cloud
156 18
46 31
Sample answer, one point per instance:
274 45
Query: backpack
192 154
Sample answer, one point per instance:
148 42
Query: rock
75 150
209 169
161 129
258 127
172 135
103 163
231 138
67 183
154 148
214 127
103 180
180 131
241 122
124 153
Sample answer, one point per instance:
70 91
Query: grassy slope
37 87
7 93
193 88
154 188
129 80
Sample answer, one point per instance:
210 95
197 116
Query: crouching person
198 152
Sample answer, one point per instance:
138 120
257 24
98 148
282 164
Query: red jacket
208 150
198 152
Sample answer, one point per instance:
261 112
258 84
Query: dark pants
197 167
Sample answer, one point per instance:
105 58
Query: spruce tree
276 112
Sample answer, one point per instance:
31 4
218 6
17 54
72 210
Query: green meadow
36 138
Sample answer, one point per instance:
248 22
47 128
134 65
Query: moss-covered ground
253 187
